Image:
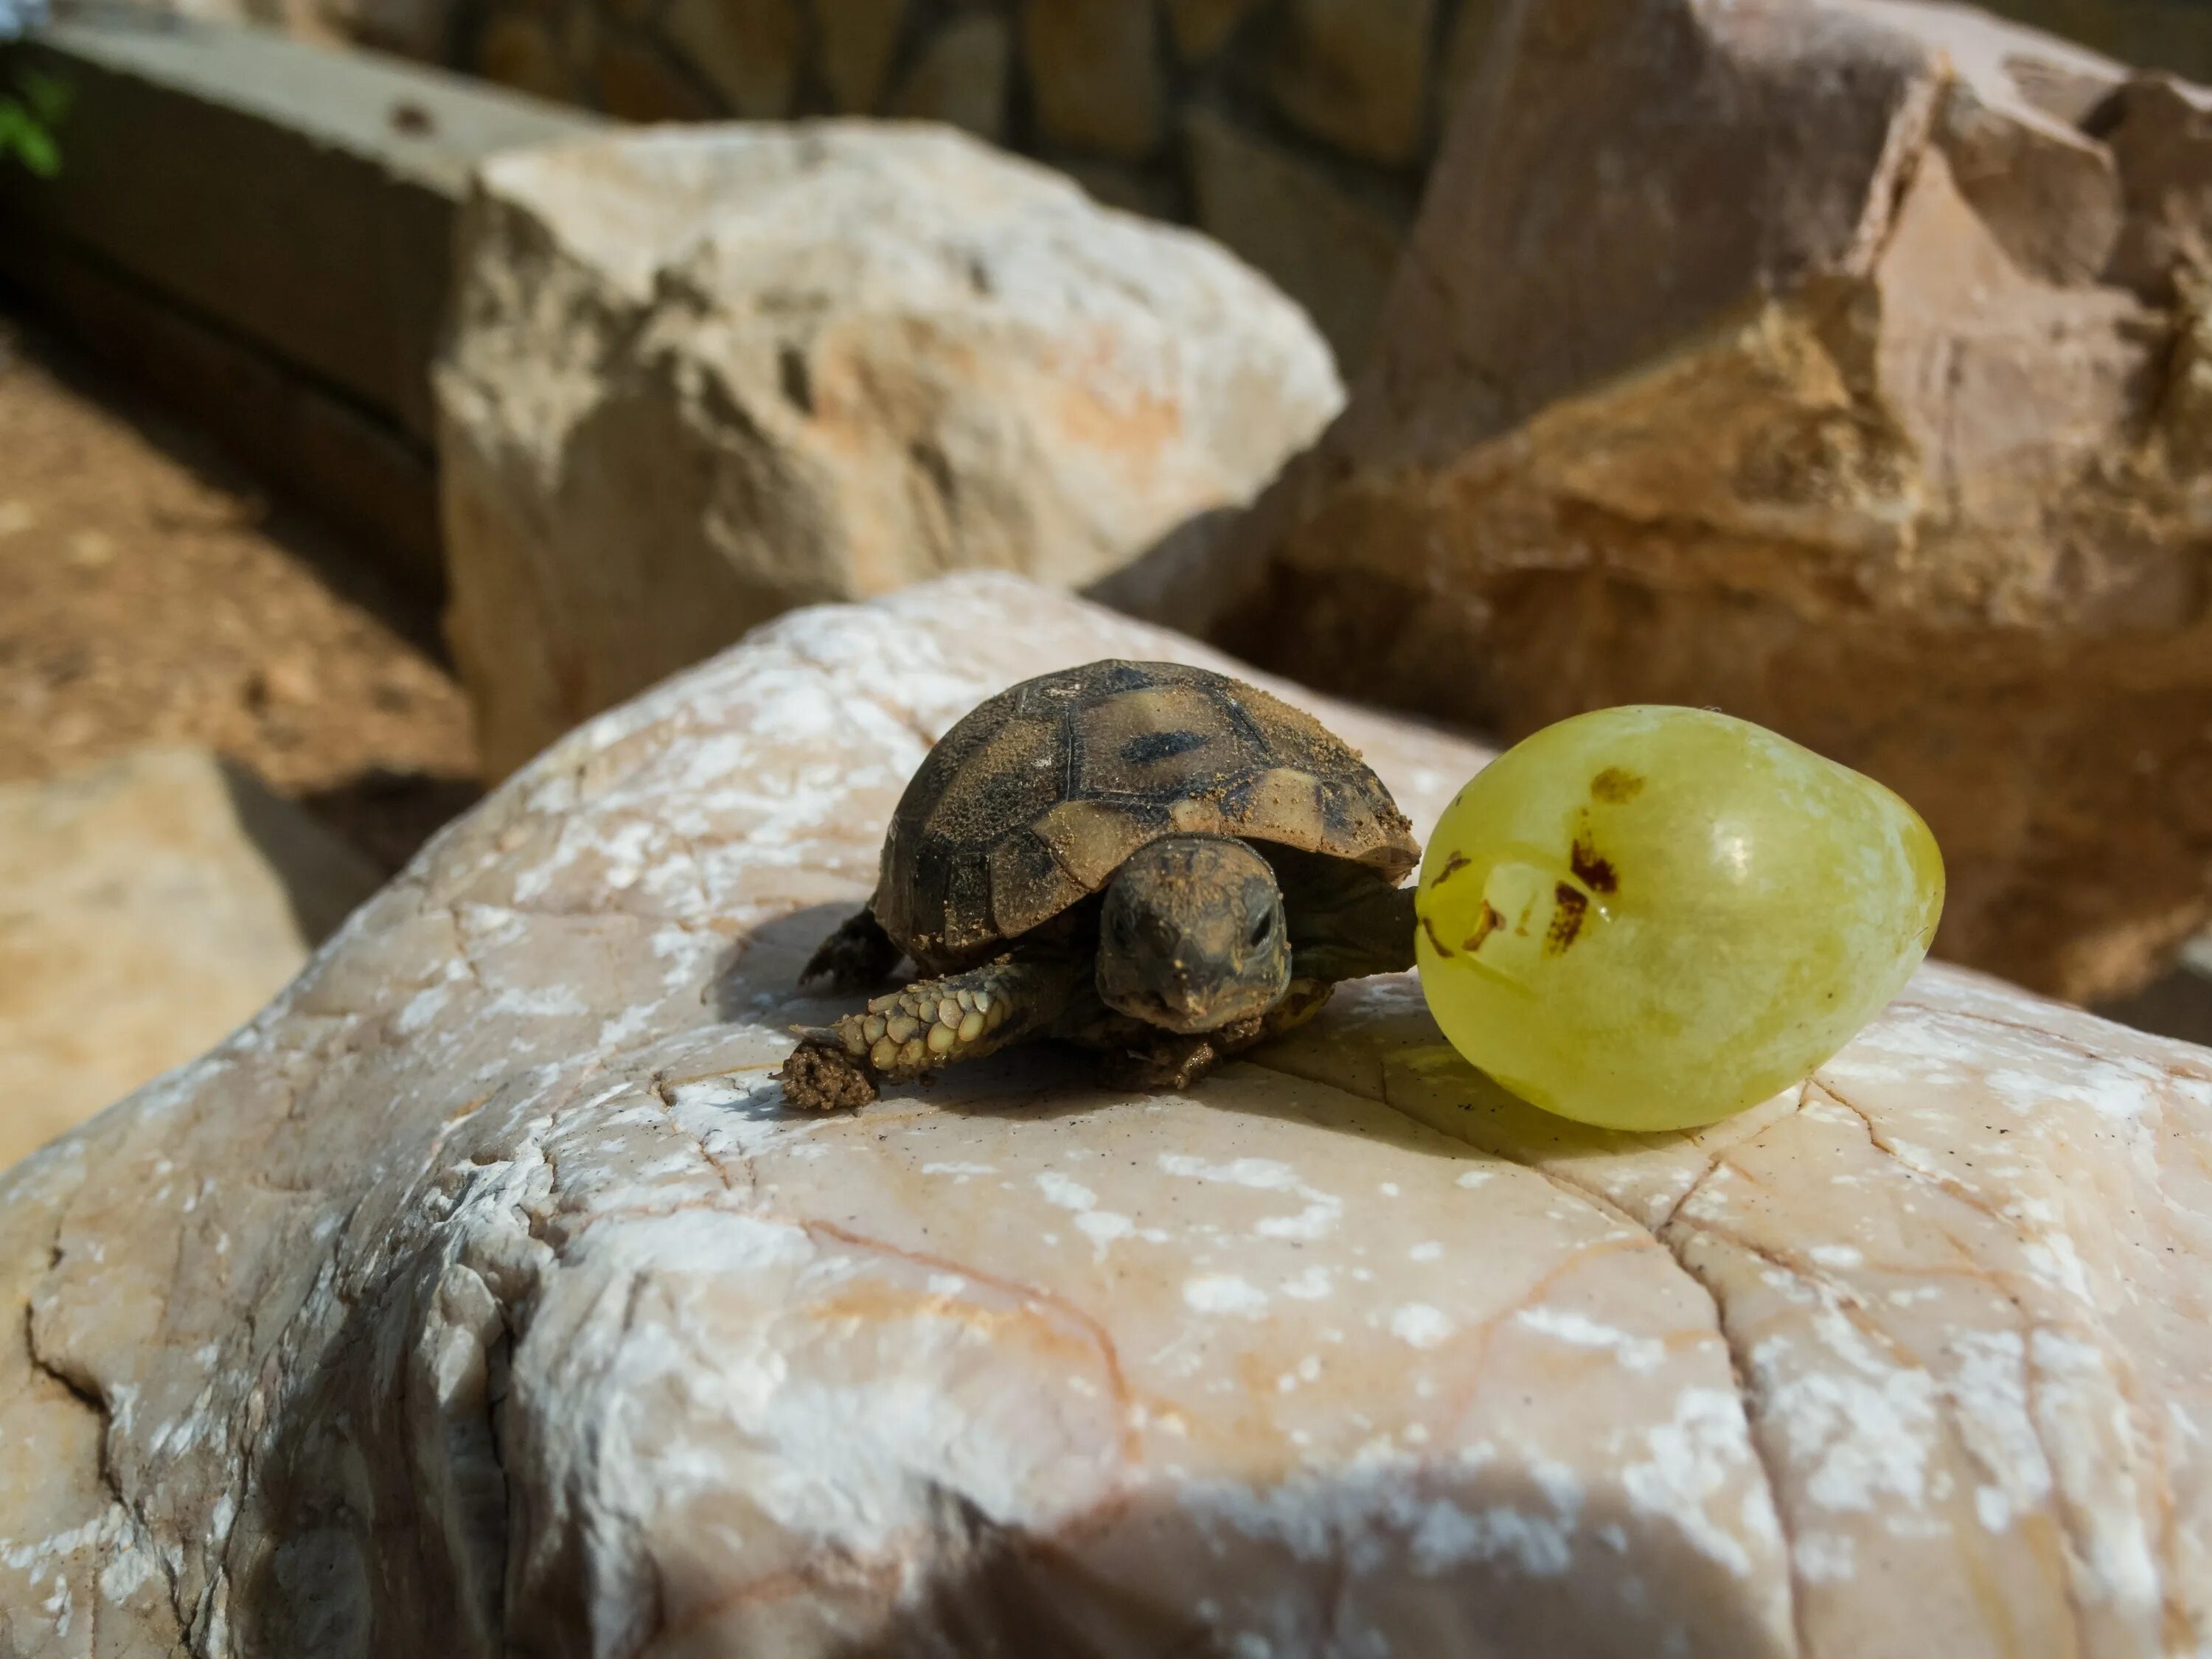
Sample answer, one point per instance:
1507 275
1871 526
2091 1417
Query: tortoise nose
1182 993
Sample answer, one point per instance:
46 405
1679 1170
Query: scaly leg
931 1024
859 957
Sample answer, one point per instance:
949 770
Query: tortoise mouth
1192 1017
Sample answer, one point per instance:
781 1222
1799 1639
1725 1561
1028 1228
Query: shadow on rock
389 814
324 877
1185 579
759 979
1441 1558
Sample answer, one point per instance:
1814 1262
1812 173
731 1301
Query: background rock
1354 73
699 377
1332 251
1344 89
2178 1004
1860 394
962 79
147 907
1094 71
481 1297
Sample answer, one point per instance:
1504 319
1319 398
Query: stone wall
1298 132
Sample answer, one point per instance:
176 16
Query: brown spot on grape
1594 872
1615 786
1429 926
1487 923
1453 865
1568 906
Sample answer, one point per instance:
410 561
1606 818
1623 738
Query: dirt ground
149 593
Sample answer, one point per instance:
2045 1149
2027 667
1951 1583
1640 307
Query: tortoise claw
821 1078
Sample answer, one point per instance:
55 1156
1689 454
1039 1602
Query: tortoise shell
1031 803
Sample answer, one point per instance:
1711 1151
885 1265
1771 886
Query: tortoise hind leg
926 1026
858 957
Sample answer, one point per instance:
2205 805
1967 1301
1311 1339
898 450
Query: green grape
1650 918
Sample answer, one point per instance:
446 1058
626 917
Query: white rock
701 375
481 1297
147 906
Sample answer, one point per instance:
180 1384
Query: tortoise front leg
929 1024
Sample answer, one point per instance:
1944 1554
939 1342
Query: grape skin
1650 918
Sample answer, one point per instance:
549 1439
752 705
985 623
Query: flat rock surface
482 1297
147 907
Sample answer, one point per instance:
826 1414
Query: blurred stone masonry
483 1297
1298 132
1843 365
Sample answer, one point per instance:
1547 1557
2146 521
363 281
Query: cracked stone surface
482 1297
1842 364
699 376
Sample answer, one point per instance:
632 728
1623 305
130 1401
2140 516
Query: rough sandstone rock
1842 364
699 377
148 906
481 1297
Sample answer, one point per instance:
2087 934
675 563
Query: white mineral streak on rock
482 1296
1316 1220
1224 1293
1420 1324
1639 1354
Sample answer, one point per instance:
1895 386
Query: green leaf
39 153
27 120
48 96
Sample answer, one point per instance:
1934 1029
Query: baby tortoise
1149 859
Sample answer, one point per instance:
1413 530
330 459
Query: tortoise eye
1264 927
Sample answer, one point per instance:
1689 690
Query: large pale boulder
147 905
699 376
482 1297
1841 363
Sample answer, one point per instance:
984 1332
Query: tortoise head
1193 936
